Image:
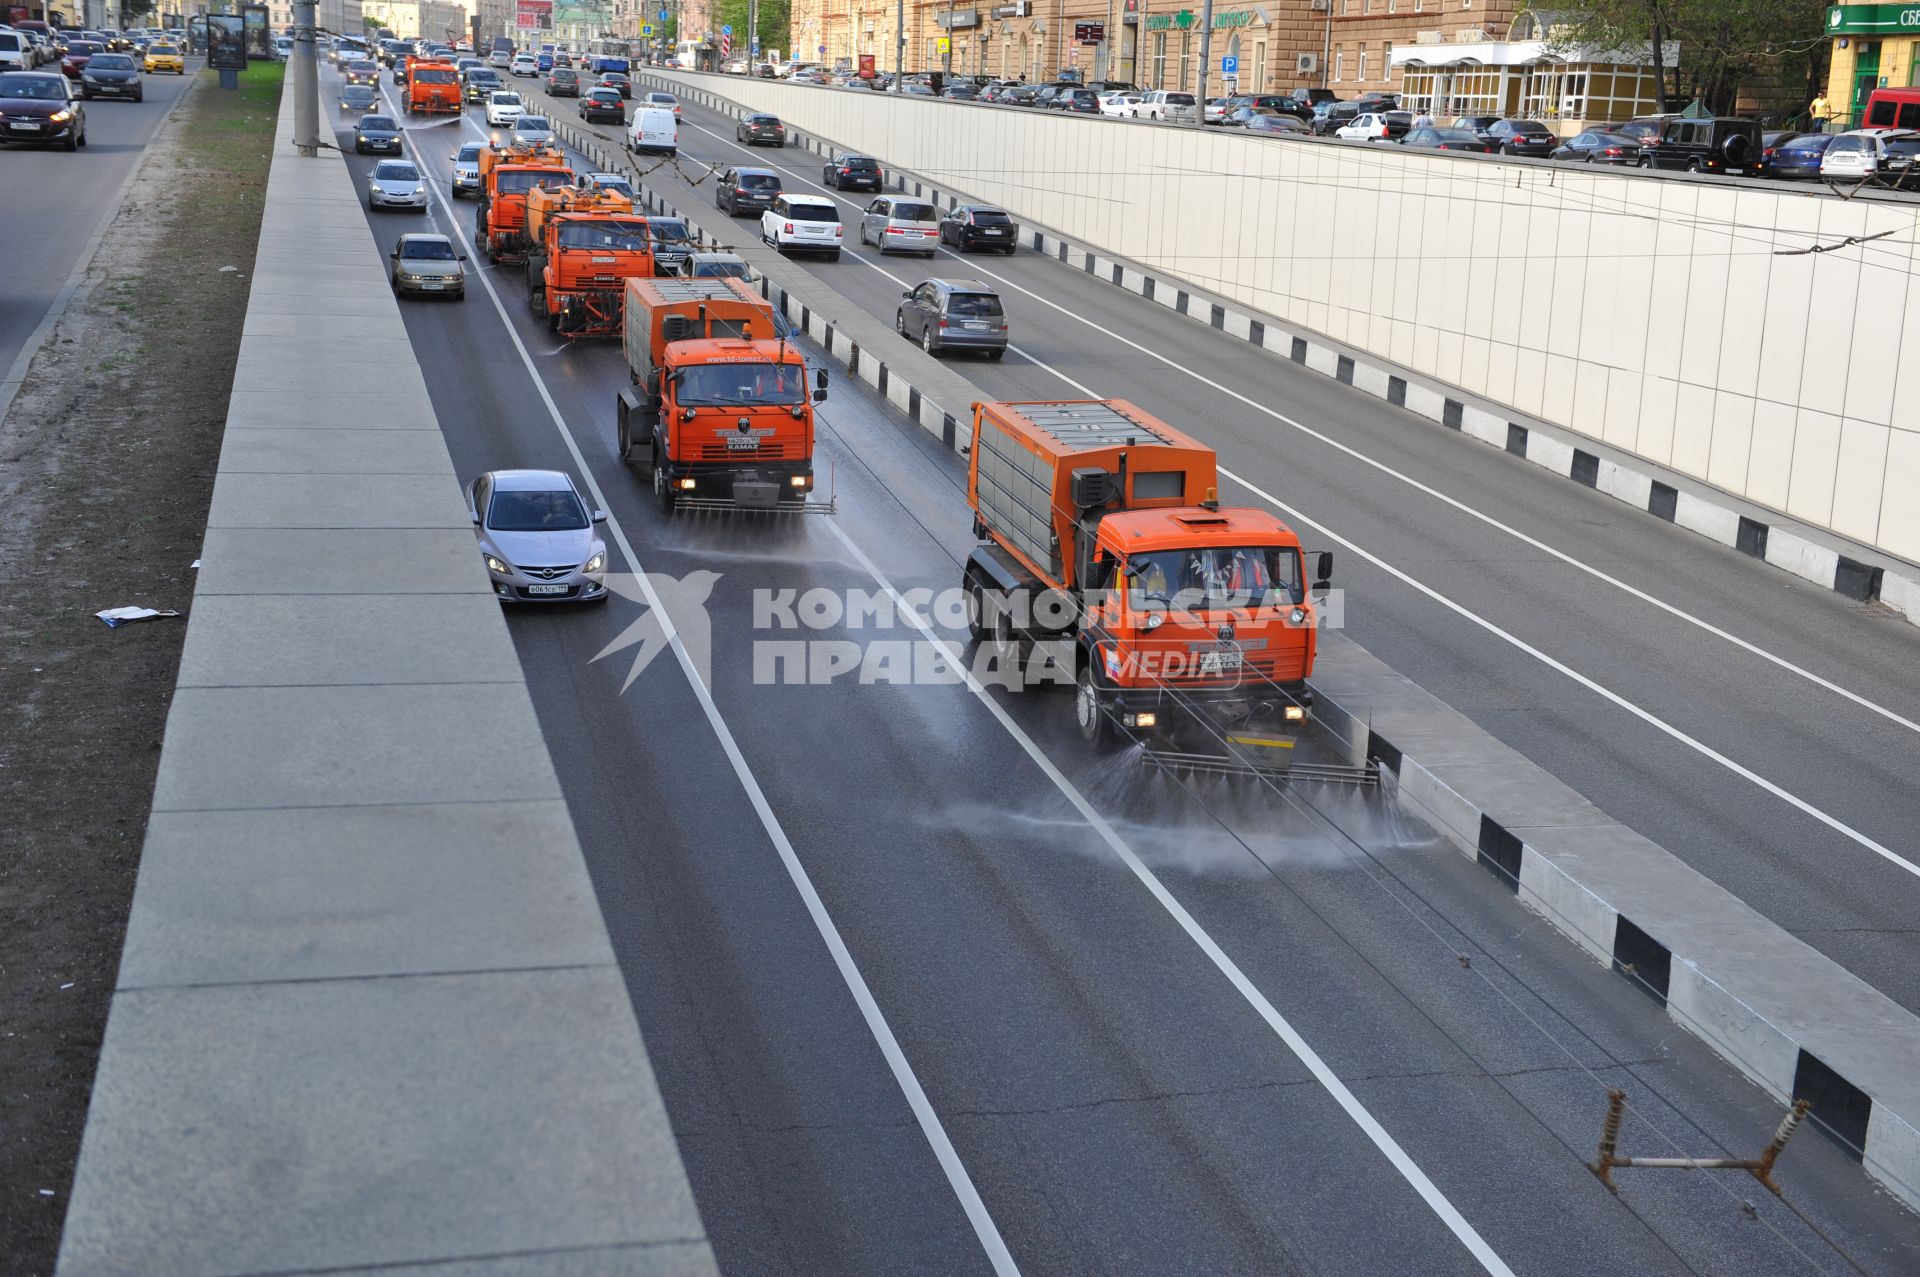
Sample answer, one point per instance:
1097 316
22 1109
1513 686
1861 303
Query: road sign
726 44
646 28
822 50
1229 65
942 45
726 30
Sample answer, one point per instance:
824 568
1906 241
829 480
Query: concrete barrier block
1549 453
1487 427
1751 1044
1631 486
1322 359
1902 593
1893 1153
1697 514
1805 559
1578 913
1370 379
1425 402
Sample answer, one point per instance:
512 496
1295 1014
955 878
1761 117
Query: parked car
1770 143
1642 127
602 105
466 170
1801 157
1521 137
979 226
1480 124
1720 144
41 106
1237 116
1438 137
427 265
1020 95
397 184
953 314
1376 126
898 224
802 223
1119 104
849 172
1081 101
760 129
1215 111
538 539
1864 153
111 75
746 190
1598 146
1168 106
376 133
1329 117
563 82
1273 123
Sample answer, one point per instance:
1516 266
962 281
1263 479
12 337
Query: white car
503 109
16 51
397 184
538 539
803 224
525 64
653 129
531 130
1167 105
1369 126
1861 153
1119 106
500 59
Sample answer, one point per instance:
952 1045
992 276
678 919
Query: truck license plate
743 443
1219 662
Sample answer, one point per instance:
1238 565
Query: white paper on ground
117 616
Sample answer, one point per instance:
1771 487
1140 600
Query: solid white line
956 1172
1706 751
1409 1170
1572 561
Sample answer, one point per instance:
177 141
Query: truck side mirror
820 395
820 379
1323 570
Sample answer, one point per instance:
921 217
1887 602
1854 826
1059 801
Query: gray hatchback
953 314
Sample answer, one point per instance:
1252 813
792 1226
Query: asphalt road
1156 1030
1760 728
56 204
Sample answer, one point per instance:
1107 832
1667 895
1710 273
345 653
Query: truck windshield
1216 577
437 75
605 237
738 384
524 180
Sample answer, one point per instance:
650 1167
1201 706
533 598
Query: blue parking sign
1230 65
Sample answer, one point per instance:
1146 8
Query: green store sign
1188 18
1873 19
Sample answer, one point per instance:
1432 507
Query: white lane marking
1389 1147
956 1172
1702 748
1597 574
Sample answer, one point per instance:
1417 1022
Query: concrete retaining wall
1680 320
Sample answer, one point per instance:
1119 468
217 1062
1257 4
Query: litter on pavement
118 616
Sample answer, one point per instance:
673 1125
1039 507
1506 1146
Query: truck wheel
537 299
661 491
623 431
1087 714
976 610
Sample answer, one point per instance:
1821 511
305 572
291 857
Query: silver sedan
538 539
397 184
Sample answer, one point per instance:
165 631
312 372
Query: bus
608 55
687 54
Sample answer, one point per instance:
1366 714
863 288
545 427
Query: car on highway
427 265
41 106
479 84
563 82
79 53
619 82
525 64
1800 157
466 170
358 99
1521 137
715 266
112 75
530 130
504 106
663 101
803 224
376 133
539 541
900 224
844 172
760 129
605 182
746 190
1440 137
979 226
953 314
672 243
1598 146
500 59
602 106
17 52
362 72
543 62
397 184
652 129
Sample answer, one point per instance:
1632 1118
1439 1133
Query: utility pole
306 82
948 62
1206 55
899 45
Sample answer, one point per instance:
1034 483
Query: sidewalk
368 1014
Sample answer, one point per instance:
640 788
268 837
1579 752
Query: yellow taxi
164 57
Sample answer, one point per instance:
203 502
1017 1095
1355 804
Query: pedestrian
1820 112
1424 120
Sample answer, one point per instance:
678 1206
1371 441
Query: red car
79 53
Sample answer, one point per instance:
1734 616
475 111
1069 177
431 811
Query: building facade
417 19
1874 46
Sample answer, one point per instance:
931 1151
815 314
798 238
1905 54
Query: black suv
1722 144
746 190
847 172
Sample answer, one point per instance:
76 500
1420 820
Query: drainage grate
1842 1108
1256 332
1516 439
1180 301
1586 468
1343 371
1642 959
1451 414
1299 351
1662 501
1217 316
1397 391
1857 580
1751 538
1499 853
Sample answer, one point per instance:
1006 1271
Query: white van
653 129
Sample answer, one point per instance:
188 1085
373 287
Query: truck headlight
1296 713
1155 620
1298 616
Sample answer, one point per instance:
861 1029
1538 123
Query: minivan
894 224
953 314
653 129
1892 109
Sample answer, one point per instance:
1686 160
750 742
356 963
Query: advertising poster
226 42
866 66
533 15
259 37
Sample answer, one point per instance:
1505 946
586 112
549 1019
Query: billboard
226 42
259 37
533 15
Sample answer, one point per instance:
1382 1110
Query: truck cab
507 174
433 87
587 244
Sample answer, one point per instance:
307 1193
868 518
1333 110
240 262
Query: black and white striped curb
1695 507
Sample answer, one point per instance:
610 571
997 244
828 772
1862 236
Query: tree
1720 42
773 22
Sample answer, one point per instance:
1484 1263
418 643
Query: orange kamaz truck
507 173
433 88
1183 624
586 244
718 411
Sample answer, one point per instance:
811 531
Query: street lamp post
1206 54
947 62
